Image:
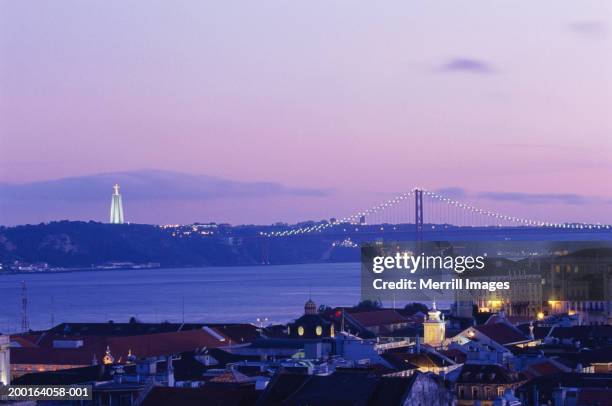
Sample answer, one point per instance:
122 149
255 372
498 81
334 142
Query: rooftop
501 333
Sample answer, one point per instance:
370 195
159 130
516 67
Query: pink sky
361 98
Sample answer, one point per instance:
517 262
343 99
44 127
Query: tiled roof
23 342
53 356
546 367
140 346
238 332
501 333
378 317
456 355
399 361
231 376
163 343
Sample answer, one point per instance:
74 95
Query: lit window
300 331
319 330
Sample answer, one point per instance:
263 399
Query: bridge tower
418 214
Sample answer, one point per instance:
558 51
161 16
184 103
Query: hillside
83 244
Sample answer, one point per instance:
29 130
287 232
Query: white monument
116 211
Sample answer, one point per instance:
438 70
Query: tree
414 308
325 308
368 304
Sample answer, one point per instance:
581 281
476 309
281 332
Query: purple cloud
524 198
466 65
589 28
148 185
452 192
539 198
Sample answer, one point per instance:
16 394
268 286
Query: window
300 331
474 392
319 330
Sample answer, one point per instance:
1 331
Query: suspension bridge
424 209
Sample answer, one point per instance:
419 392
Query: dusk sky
336 105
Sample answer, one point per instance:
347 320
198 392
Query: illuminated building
5 360
116 211
523 299
311 324
580 284
434 328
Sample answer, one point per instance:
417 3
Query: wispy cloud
452 192
466 65
524 198
539 198
589 28
148 185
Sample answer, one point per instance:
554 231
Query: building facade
5 360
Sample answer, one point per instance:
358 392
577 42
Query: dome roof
310 307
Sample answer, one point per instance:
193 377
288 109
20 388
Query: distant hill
83 244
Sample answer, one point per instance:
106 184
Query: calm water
232 294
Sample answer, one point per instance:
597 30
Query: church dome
310 307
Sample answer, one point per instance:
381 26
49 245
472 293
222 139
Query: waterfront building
116 211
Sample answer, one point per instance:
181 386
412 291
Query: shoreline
74 270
